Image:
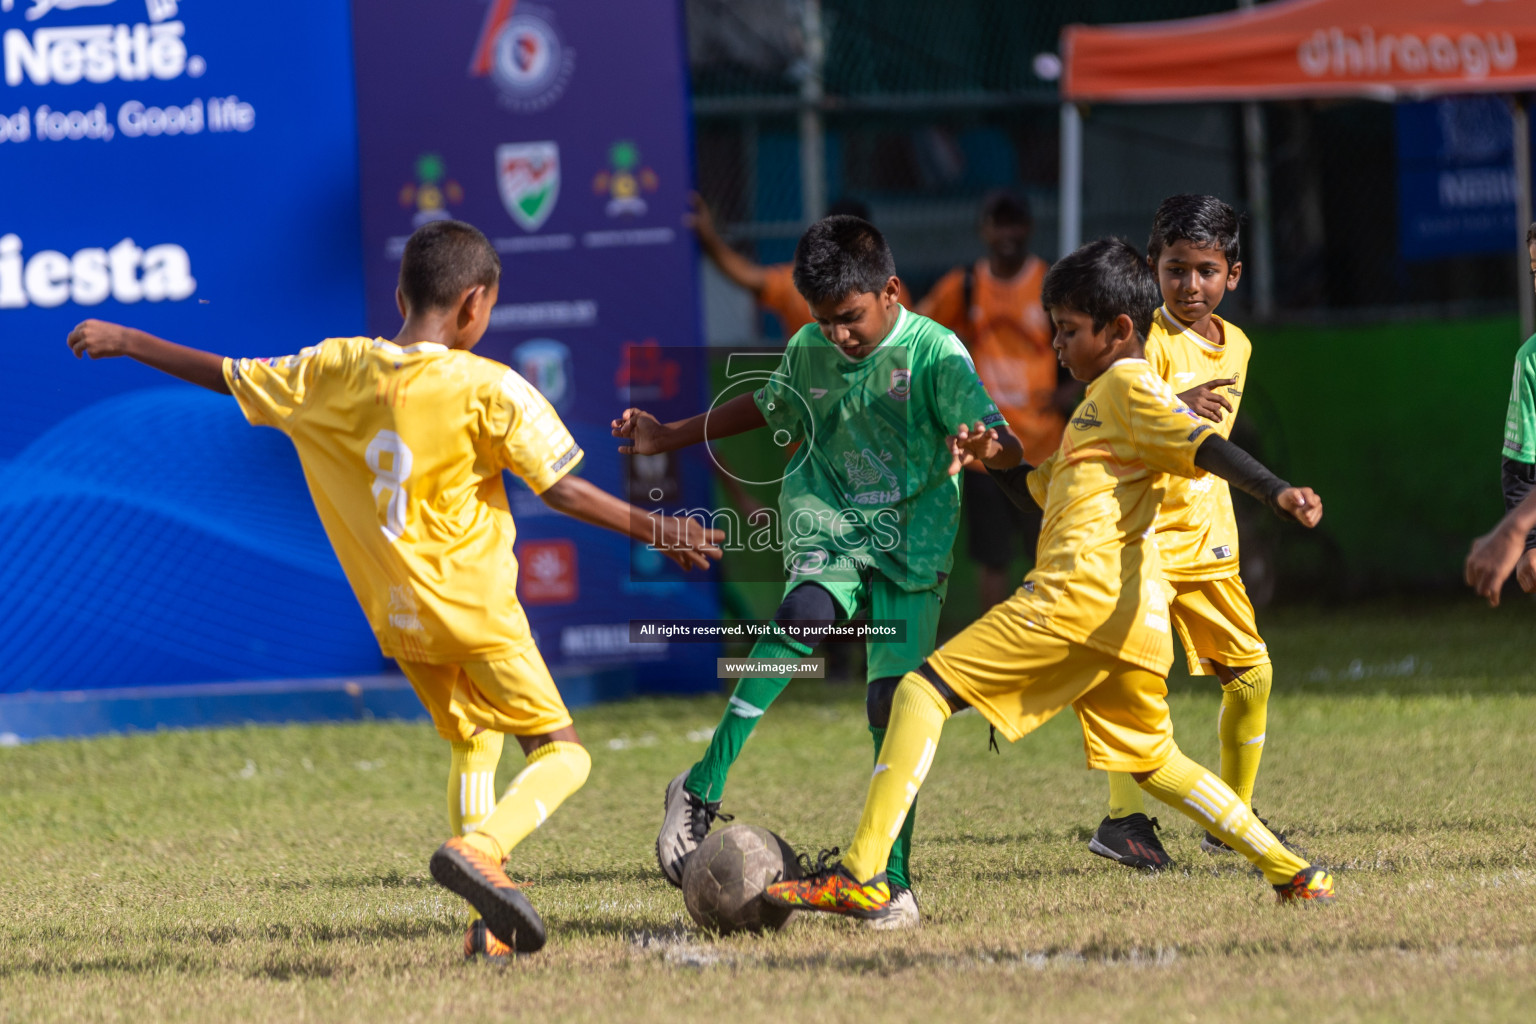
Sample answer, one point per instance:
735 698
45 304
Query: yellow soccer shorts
1018 676
512 695
1214 621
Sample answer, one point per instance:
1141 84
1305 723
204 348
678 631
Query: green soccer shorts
854 591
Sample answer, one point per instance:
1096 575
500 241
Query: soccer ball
724 879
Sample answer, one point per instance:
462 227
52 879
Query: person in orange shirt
773 285
994 307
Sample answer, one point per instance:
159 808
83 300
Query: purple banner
561 130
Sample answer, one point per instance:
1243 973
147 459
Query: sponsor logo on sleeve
1224 551
1087 417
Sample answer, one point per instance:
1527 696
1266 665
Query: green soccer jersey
870 484
1520 421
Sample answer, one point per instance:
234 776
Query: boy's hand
1206 402
1525 571
972 446
1492 558
1301 504
100 339
688 542
642 429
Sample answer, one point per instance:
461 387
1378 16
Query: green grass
278 874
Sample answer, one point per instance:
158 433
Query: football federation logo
901 385
624 181
433 191
646 373
1087 417
528 175
523 55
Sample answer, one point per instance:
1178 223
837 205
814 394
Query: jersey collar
891 335
1177 327
411 350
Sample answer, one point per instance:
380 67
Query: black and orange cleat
479 942
831 889
1312 883
460 868
1132 841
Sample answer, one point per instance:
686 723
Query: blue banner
192 169
1456 178
159 170
561 130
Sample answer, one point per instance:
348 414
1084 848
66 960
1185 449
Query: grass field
279 874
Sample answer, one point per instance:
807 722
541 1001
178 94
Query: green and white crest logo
901 385
528 175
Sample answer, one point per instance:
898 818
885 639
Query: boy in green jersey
1518 469
871 392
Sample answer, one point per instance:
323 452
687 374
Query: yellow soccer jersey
1196 531
1097 580
403 450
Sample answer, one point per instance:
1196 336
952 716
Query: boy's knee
877 702
940 687
1249 684
810 609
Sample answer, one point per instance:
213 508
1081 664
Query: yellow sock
554 772
1244 717
472 783
917 719
1124 796
1186 786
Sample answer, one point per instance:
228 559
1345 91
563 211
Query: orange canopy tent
1295 49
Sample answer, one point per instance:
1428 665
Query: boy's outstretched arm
1493 555
102 340
731 263
649 436
993 448
686 541
1223 458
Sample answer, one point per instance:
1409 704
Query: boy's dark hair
444 259
1530 234
1204 220
1102 280
1004 206
839 256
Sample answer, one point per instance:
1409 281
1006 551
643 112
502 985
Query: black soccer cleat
1132 841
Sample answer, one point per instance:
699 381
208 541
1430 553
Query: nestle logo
98 53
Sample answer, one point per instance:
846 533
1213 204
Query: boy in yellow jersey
1089 629
1194 249
403 444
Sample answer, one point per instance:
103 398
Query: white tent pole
1519 108
1070 206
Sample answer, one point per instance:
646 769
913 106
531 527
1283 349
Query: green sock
901 849
706 780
